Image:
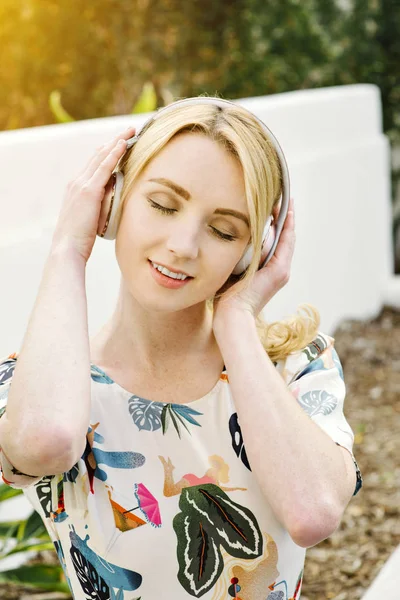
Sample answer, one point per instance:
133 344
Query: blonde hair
240 134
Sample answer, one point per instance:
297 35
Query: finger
104 170
288 223
104 151
268 245
291 208
285 247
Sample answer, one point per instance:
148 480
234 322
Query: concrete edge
386 584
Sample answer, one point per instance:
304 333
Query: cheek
221 267
129 241
135 226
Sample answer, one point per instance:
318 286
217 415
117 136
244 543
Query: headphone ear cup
267 241
109 212
244 261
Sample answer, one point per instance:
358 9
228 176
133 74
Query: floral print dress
163 502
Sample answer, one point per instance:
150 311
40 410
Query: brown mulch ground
343 566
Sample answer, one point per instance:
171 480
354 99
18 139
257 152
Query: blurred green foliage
147 102
23 536
59 112
67 59
99 56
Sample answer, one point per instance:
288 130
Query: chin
154 302
153 297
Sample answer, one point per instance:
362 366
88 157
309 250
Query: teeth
169 273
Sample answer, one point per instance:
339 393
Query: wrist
64 250
233 321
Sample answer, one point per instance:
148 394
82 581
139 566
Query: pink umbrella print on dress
147 504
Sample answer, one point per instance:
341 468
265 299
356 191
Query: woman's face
180 216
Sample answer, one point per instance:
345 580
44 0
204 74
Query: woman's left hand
266 282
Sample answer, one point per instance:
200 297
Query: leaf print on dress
209 520
237 440
329 359
151 416
98 577
44 494
315 348
318 402
7 367
248 579
99 376
43 491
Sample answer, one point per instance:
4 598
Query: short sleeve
10 475
315 377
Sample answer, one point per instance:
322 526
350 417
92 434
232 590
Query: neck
153 340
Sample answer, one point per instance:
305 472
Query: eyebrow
185 194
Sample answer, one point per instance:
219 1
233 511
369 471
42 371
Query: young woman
188 449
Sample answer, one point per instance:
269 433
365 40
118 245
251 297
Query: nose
183 240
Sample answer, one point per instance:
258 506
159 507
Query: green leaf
7 492
9 535
147 100
34 527
208 520
21 530
178 416
5 528
206 564
46 577
32 546
173 419
231 524
165 418
57 109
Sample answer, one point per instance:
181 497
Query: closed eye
163 209
169 211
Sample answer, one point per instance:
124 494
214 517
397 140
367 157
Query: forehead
202 166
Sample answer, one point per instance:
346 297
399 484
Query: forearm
49 398
297 465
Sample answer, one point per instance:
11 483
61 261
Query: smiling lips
170 269
167 281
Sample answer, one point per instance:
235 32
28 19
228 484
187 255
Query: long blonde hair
241 135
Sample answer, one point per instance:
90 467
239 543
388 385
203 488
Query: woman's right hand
78 220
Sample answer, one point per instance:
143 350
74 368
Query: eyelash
169 211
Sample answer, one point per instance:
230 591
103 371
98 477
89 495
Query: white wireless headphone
272 231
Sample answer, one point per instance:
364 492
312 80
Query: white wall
339 166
